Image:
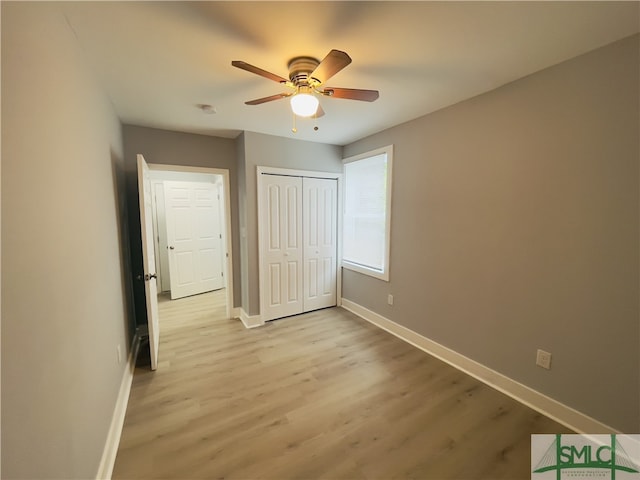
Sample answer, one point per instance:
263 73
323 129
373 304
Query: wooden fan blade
330 65
271 98
352 94
258 71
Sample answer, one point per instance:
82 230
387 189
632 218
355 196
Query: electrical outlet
543 359
119 354
390 299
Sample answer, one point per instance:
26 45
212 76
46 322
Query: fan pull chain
294 129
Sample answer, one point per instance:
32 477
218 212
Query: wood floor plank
320 395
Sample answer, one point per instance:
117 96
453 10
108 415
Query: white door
194 238
280 206
162 260
320 196
148 259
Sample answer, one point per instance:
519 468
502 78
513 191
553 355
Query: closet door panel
282 253
320 196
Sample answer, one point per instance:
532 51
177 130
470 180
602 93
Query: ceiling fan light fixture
304 104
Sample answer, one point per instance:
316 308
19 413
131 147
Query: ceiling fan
307 77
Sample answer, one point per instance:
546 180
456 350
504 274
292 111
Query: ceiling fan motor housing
300 69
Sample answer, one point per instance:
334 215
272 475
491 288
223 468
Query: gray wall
184 149
515 227
64 295
269 151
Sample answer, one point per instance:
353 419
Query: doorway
189 233
210 195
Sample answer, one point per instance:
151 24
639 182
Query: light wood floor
320 395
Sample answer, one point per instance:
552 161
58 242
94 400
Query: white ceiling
159 60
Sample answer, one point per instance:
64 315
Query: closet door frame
261 212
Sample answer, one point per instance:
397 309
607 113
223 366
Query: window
367 212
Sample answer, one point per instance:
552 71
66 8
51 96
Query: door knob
171 247
148 277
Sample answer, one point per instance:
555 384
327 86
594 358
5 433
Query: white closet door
194 238
282 252
320 242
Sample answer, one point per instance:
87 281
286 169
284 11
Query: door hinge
222 274
220 236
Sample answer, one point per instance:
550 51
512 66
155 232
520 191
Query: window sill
381 275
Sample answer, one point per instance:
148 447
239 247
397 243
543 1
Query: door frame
224 173
287 172
161 266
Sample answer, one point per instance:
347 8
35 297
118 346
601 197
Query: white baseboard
249 321
110 451
549 407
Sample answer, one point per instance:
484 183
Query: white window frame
384 273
